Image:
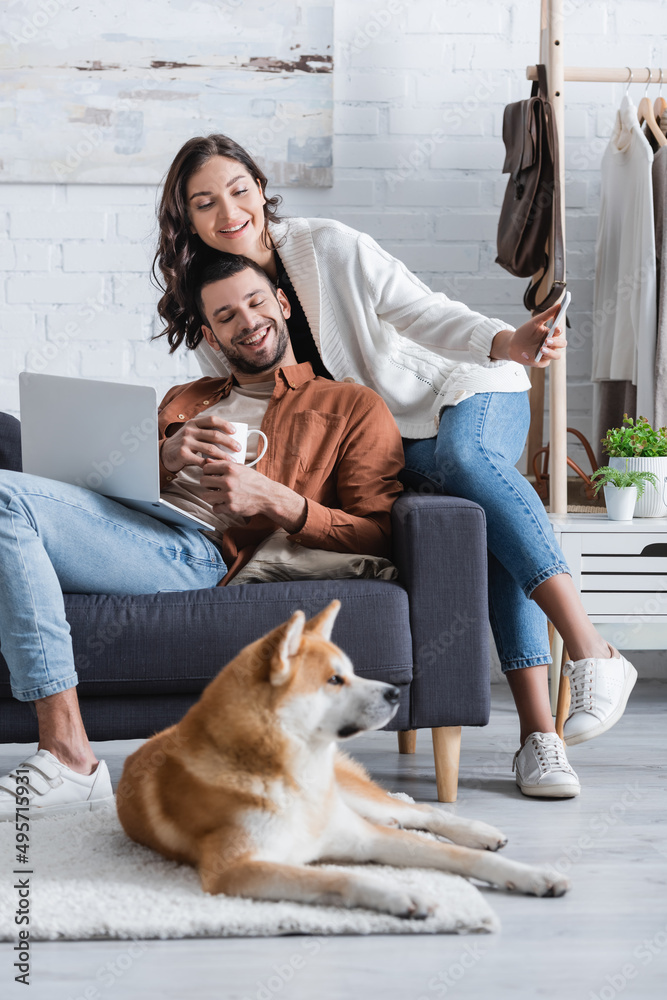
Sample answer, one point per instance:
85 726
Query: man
328 481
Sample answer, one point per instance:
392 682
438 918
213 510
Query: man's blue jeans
473 456
57 538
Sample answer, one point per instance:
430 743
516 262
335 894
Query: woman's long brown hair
181 254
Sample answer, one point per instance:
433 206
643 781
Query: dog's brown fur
249 787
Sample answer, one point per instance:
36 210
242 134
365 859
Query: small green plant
635 440
622 479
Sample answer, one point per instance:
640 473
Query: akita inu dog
250 789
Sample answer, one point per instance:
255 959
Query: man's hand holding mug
219 447
198 440
204 438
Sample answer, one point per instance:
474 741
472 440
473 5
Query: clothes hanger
627 89
645 113
660 103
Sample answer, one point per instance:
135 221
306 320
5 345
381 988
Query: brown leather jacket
334 443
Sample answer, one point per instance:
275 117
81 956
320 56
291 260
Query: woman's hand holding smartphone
560 318
526 344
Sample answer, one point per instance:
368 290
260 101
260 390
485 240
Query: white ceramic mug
241 433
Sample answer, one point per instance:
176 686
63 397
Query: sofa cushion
10 443
176 642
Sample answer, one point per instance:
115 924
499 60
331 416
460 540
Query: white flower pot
620 502
652 503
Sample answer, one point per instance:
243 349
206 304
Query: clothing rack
551 54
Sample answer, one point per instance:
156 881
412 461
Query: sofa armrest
439 547
10 443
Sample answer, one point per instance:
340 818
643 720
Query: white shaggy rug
90 881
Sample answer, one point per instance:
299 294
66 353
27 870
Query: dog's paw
553 884
413 905
466 832
406 903
543 882
485 837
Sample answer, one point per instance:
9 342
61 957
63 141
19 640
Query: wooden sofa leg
446 751
407 741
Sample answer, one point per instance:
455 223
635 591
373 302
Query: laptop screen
91 433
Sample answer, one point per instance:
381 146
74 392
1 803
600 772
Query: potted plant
636 446
622 489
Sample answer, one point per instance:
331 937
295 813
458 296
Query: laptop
99 435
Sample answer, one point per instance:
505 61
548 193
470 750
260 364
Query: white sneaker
543 770
54 788
599 692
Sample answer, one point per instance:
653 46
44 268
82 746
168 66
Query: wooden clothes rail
551 54
605 74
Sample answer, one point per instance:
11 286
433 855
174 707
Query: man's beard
248 367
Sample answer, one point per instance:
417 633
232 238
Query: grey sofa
143 660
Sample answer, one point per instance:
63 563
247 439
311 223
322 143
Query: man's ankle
83 762
62 733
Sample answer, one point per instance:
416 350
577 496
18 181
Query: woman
358 313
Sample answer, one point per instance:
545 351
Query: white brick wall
420 88
57 226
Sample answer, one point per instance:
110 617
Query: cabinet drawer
626 606
624 573
624 564
627 543
624 582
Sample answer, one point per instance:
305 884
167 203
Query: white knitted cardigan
375 323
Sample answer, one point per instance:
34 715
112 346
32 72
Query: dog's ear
288 639
324 622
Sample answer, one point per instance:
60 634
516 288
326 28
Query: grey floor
607 937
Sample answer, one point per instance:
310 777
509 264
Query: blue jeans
54 538
473 456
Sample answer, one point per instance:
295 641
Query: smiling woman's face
225 205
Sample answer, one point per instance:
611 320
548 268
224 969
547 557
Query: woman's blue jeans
54 538
473 456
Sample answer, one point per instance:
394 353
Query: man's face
246 322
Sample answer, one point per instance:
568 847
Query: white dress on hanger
624 300
660 208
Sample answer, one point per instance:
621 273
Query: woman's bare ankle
546 728
601 650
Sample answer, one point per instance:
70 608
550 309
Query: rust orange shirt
334 443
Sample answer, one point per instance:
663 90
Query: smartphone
554 323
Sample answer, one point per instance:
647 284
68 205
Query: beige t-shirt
246 404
